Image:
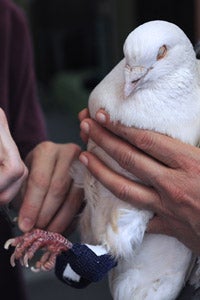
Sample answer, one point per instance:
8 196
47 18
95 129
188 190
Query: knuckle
16 171
126 159
159 178
177 193
123 192
144 140
46 146
179 196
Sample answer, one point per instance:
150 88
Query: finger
60 184
84 137
127 156
83 114
164 148
68 211
37 185
133 192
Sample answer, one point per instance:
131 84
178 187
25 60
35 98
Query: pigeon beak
129 88
132 78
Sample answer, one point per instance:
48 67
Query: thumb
158 225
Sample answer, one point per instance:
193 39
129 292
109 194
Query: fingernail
85 127
101 118
83 159
26 224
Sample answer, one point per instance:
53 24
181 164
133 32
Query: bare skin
49 198
169 169
12 169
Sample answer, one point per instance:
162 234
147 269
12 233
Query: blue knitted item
85 263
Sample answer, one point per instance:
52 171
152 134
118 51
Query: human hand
83 115
49 199
12 169
169 169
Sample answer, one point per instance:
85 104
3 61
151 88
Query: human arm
168 168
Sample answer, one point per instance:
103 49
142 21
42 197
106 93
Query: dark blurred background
75 44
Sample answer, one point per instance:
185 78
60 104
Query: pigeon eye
162 52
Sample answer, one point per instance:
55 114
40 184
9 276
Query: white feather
165 97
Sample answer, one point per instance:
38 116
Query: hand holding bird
155 87
174 172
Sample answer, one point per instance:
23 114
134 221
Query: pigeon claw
27 245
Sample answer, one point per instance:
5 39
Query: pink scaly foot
28 244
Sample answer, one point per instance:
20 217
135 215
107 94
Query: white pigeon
155 86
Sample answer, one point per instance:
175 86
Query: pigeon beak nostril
135 81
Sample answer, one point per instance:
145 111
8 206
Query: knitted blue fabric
85 263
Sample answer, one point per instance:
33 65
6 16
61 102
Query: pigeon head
152 51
